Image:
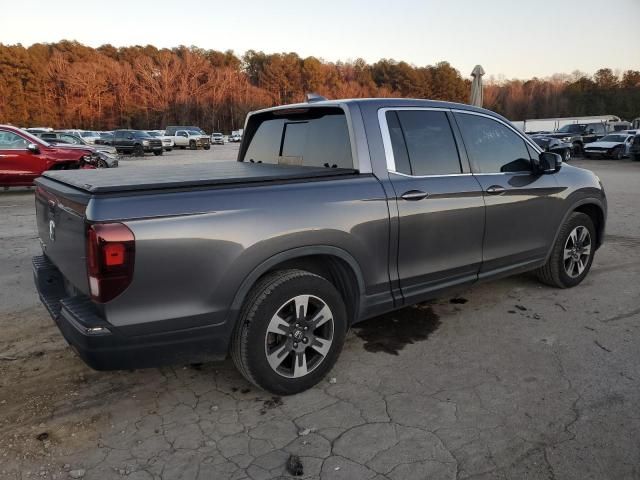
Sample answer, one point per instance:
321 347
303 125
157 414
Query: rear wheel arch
332 263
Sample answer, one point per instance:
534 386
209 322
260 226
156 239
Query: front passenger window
492 147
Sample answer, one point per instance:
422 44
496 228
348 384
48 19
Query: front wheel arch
591 207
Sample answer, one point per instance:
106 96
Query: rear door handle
414 195
495 190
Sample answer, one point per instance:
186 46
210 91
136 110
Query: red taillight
110 258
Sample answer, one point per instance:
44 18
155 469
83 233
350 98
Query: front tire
572 254
157 152
636 157
566 155
577 149
290 332
192 145
618 153
138 151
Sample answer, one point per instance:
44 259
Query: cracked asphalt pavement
509 379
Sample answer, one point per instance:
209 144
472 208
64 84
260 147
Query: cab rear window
315 137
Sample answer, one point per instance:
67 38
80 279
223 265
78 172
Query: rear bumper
105 347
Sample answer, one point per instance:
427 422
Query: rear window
314 137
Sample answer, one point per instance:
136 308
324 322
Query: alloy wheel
577 250
299 336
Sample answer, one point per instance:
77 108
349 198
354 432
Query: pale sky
514 38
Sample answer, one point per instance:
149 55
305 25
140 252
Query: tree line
70 85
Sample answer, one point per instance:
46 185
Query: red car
23 157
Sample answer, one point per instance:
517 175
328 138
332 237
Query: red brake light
114 254
110 260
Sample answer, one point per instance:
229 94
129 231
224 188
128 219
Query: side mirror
33 148
547 162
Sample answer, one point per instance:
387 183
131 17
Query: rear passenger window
317 137
427 139
492 147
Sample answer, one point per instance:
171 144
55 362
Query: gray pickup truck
335 212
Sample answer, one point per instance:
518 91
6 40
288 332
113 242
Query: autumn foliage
70 85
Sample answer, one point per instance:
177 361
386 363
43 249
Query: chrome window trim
388 148
432 176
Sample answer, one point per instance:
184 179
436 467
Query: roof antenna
312 97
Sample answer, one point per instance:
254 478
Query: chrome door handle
414 195
495 190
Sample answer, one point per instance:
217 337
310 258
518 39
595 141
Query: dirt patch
392 332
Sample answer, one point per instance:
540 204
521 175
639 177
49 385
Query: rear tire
282 348
572 254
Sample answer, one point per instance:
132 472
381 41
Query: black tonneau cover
179 176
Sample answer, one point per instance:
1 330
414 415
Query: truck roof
382 103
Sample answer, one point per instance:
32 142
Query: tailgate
60 217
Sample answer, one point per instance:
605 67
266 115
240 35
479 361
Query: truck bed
184 176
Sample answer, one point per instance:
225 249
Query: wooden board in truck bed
137 178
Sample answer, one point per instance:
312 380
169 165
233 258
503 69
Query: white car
613 145
167 142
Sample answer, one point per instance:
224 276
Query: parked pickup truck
335 212
580 134
136 142
191 139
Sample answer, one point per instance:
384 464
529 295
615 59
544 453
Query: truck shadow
391 332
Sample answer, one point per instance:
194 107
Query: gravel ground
510 379
225 152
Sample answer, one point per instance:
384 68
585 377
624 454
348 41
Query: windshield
216 134
89 134
575 128
614 138
541 141
194 132
141 134
68 138
153 134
